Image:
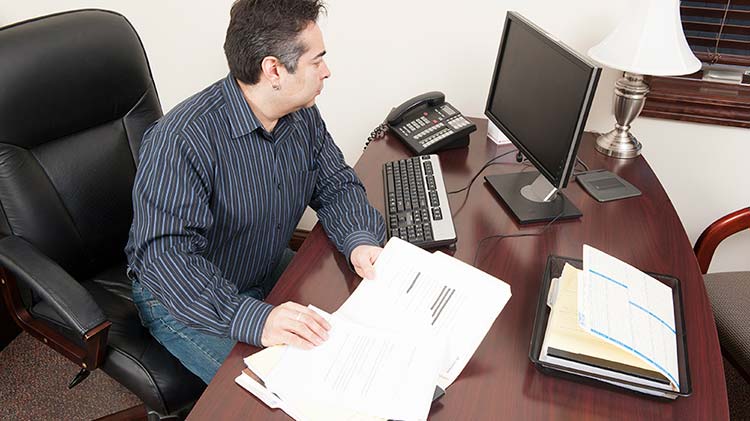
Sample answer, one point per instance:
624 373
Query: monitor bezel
560 180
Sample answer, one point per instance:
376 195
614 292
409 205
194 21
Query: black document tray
554 268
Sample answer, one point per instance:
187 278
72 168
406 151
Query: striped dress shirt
216 199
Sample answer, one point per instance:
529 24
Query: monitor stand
531 197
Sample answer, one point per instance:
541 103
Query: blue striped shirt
216 199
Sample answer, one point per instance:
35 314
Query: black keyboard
417 203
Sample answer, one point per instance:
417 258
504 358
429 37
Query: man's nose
326 71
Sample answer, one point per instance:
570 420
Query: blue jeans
199 352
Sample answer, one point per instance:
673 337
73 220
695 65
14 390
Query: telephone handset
426 123
429 99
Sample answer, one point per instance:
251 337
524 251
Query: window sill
698 101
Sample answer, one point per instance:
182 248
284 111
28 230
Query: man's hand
296 325
363 257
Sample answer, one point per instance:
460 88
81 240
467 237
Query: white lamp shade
649 41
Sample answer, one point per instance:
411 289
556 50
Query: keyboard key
434 199
437 214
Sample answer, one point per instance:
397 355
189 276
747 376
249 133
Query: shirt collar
242 120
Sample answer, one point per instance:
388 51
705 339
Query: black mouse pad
605 186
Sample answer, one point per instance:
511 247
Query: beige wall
383 52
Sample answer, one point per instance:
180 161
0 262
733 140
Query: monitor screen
540 95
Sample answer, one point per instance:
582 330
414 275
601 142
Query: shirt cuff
249 320
356 239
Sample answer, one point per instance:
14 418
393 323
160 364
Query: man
222 182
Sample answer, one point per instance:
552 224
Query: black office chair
76 94
729 292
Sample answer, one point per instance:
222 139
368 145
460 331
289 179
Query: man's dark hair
262 28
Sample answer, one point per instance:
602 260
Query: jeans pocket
137 289
145 313
146 304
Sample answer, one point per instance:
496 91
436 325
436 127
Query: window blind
718 31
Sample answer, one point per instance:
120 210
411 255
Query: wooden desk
499 381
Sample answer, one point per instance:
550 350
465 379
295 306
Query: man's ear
270 68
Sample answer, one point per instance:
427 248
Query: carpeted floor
34 386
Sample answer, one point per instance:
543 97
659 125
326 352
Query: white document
372 371
262 363
419 291
630 309
415 326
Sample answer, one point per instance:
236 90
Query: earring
276 87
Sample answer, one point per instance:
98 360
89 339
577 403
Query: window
718 32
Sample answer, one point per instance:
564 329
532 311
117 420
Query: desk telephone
426 124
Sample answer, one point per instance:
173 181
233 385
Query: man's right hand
296 325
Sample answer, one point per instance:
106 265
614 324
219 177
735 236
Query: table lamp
649 40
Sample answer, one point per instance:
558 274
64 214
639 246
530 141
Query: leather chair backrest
76 95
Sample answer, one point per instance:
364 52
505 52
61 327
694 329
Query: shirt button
278 227
279 186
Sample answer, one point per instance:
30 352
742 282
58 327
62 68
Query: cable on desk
455 210
583 164
586 170
502 236
486 164
576 174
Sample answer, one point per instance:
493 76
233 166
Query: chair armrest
21 262
47 279
716 233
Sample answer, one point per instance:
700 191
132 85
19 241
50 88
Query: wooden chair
729 292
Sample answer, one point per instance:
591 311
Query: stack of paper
614 323
414 326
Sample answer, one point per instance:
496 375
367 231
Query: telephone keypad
458 122
428 131
442 134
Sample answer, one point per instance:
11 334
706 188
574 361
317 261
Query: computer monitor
540 97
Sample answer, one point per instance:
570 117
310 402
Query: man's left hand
363 257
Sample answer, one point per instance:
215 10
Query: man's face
301 88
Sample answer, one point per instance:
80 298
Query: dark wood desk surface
500 382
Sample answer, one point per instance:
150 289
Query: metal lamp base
630 96
618 143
